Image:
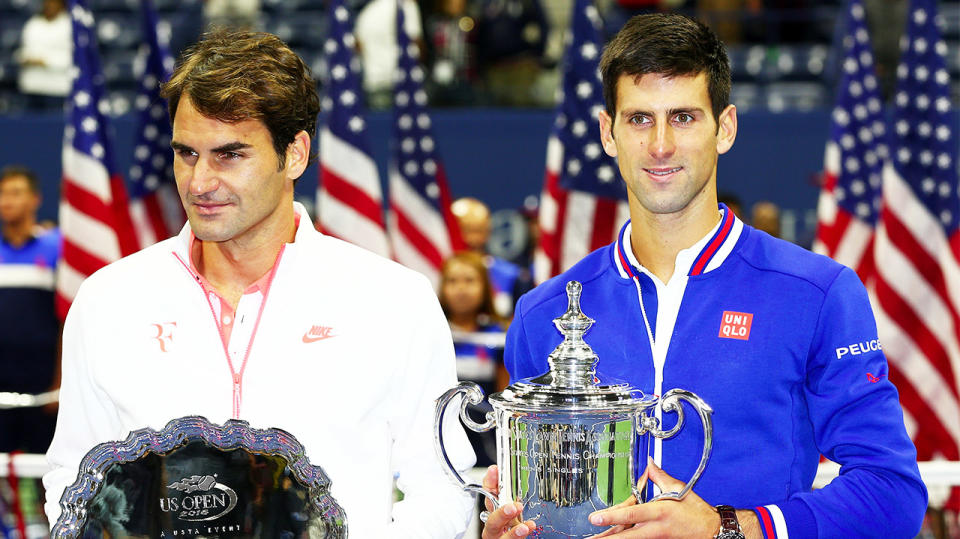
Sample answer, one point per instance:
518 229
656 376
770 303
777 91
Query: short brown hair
11 171
233 76
666 44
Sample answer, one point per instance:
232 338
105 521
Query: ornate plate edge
234 434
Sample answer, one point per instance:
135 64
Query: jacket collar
702 257
305 229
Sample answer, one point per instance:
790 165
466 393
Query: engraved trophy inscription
571 441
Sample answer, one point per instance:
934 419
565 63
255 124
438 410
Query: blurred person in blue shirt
29 329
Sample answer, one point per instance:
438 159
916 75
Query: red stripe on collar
621 255
704 258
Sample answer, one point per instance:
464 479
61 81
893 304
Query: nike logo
317 333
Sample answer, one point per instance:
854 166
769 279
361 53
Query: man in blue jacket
781 342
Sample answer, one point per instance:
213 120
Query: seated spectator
236 14
466 299
725 16
450 38
473 217
46 57
511 36
29 330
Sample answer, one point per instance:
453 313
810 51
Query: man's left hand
689 517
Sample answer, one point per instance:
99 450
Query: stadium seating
766 72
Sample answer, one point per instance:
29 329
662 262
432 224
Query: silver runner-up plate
200 480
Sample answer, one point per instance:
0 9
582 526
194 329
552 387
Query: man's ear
727 130
298 155
606 134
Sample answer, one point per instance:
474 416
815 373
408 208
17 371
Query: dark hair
666 44
233 76
20 170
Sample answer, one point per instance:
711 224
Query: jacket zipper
236 376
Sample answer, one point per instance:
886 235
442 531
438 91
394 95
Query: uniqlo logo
736 325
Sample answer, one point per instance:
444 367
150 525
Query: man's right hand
505 522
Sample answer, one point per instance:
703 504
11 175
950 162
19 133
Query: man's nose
204 178
662 144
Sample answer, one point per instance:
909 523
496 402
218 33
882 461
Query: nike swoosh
307 338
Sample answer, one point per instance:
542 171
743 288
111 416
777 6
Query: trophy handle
671 403
472 394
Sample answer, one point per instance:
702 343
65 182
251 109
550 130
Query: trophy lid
572 381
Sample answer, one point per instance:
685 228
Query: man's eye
684 118
229 155
639 120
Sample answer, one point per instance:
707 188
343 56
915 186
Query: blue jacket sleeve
858 423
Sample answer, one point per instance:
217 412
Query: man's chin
207 233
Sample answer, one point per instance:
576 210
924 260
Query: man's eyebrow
231 147
688 110
676 110
228 147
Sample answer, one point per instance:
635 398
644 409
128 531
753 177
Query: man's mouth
662 171
209 207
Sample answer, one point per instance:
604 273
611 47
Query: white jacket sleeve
433 505
86 416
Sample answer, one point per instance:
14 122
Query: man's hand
504 522
689 517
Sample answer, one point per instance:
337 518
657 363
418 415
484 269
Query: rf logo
736 325
164 334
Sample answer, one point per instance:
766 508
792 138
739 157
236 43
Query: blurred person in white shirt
46 56
376 32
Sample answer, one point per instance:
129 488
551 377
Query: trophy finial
573 323
573 362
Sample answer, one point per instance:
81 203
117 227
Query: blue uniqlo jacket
782 344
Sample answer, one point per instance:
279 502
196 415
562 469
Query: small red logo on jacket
735 325
164 334
318 333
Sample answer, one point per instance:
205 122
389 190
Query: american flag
94 214
349 201
917 244
582 205
423 231
154 204
849 205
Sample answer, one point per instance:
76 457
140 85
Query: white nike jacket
349 354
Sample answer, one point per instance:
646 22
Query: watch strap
729 525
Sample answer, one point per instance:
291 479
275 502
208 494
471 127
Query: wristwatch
729 525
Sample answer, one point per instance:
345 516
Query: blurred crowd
477 52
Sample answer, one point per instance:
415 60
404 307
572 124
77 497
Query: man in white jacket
250 313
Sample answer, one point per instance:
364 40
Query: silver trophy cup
571 441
